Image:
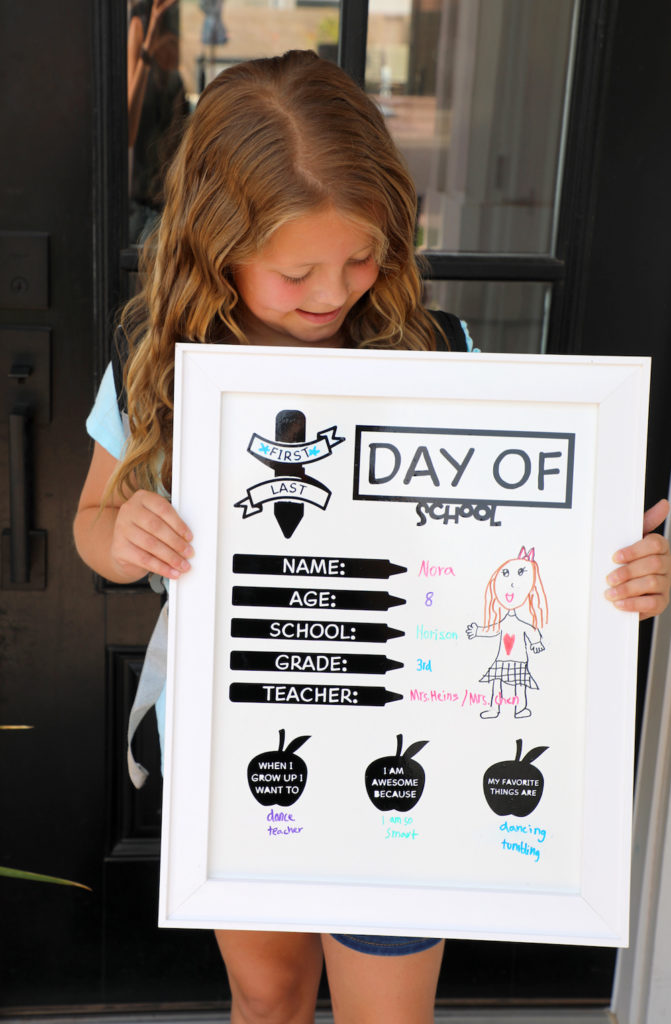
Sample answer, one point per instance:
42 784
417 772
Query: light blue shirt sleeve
104 423
469 340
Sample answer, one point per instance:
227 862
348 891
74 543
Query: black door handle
25 406
19 496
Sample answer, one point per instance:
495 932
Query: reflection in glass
509 316
250 29
176 47
475 96
157 106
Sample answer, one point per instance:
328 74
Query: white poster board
398 701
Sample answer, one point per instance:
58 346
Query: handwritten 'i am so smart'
464 466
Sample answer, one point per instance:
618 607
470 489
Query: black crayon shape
298 597
316 565
290 429
309 661
312 694
314 629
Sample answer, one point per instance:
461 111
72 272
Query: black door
70 646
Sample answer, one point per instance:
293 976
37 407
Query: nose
331 288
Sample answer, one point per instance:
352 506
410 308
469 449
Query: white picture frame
462 874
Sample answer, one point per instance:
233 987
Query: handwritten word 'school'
439 511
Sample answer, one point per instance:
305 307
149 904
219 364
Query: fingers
150 535
655 516
642 580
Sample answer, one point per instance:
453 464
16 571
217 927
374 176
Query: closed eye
295 280
356 263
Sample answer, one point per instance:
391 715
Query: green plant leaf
30 876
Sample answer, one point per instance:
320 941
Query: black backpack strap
453 330
119 356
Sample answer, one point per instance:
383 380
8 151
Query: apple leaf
415 748
295 744
533 754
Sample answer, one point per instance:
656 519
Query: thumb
655 516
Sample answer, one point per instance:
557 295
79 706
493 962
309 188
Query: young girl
516 586
289 220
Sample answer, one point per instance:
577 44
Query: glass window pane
474 92
171 59
502 316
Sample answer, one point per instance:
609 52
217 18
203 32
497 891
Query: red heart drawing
508 642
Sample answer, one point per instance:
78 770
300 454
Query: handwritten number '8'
428 601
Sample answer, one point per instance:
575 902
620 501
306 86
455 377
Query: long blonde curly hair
269 141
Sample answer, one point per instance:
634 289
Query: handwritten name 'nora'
506 467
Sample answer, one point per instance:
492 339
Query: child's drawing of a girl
514 587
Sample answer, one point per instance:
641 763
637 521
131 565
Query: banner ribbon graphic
283 488
297 454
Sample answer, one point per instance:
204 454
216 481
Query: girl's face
513 582
300 287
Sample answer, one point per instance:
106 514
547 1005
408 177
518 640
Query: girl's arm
127 539
641 583
473 631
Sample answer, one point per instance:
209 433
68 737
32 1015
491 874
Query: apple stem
399 744
519 750
282 735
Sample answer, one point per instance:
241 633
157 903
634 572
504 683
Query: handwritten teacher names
466 699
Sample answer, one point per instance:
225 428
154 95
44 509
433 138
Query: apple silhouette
396 782
515 787
278 776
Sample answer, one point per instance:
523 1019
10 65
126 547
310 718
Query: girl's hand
149 535
641 583
158 8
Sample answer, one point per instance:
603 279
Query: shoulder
454 329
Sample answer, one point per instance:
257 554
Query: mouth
320 318
510 597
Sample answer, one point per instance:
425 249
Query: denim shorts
386 945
